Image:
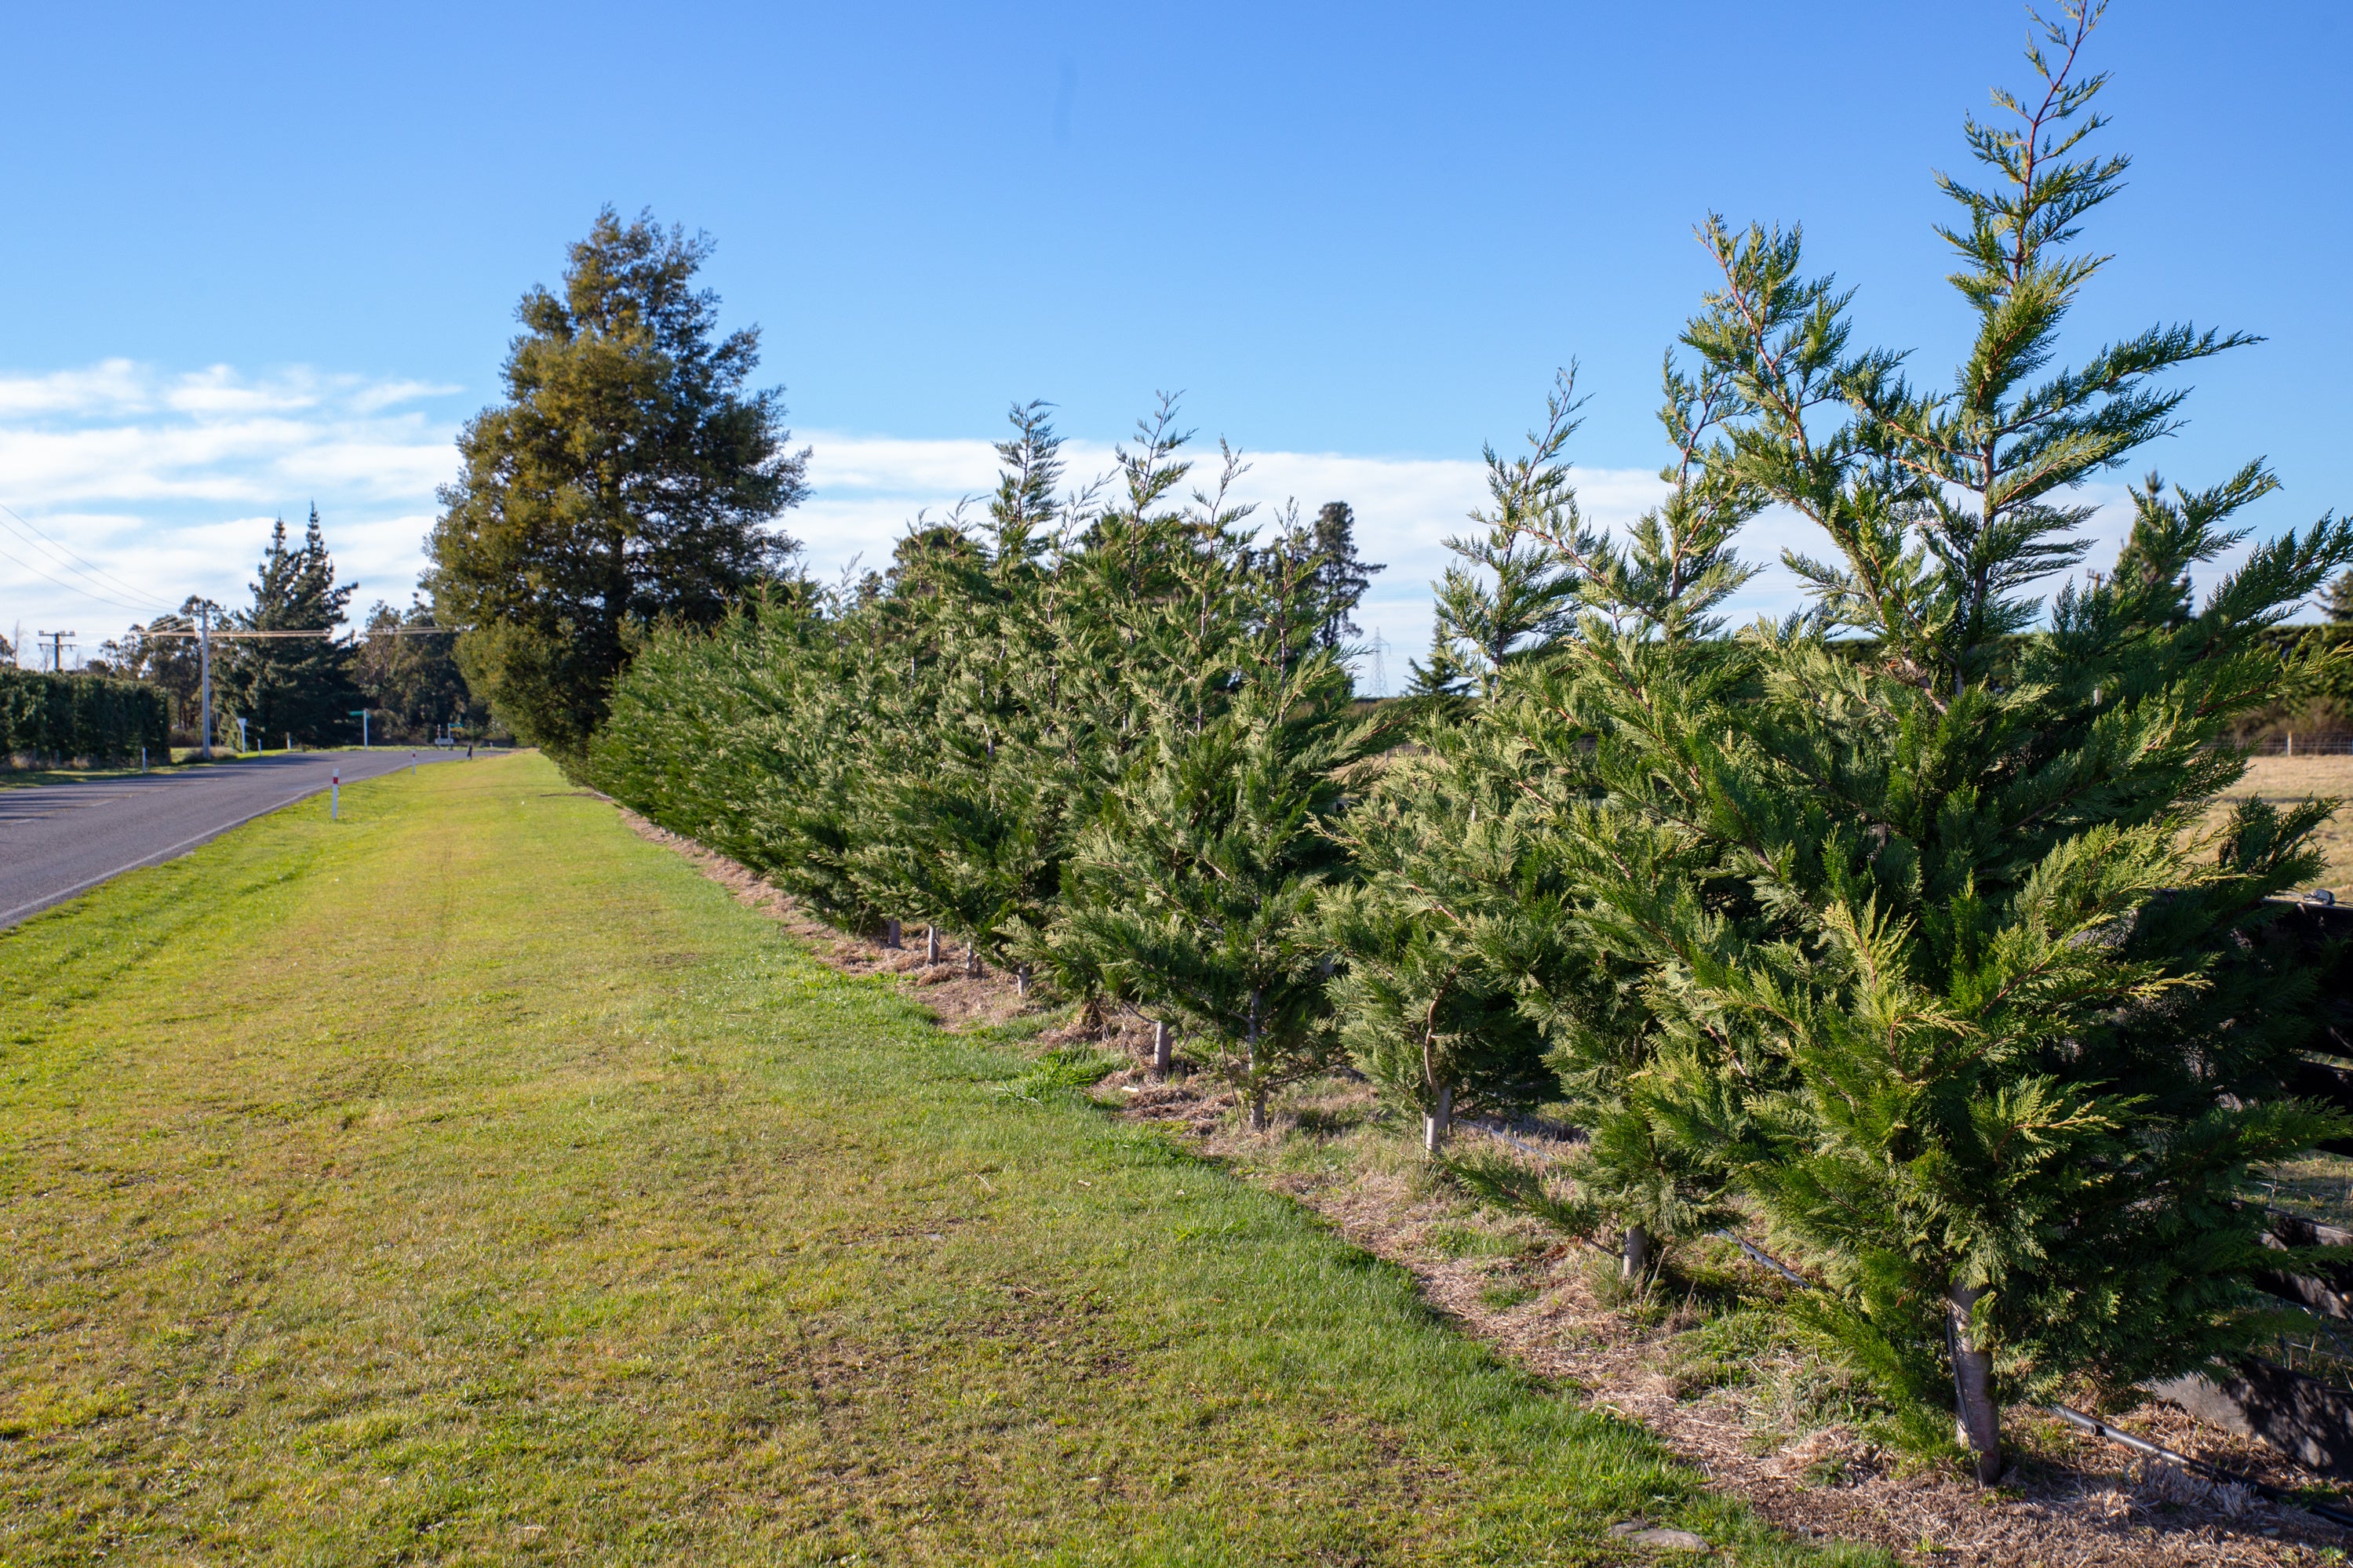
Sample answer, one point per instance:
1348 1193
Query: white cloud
151 485
132 487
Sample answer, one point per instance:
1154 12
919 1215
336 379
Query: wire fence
2319 1352
2293 745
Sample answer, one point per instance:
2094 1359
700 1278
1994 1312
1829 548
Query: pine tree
2015 1069
629 478
298 686
1346 576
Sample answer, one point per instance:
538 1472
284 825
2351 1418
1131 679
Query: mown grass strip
471 1181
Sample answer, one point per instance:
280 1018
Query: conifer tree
1446 915
1344 574
1192 896
629 476
1579 744
298 686
2014 1070
1510 595
1450 913
983 808
1135 637
1194 893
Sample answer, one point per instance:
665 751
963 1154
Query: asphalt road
59 839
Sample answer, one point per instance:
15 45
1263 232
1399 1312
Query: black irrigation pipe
1758 1255
2335 1515
2100 1428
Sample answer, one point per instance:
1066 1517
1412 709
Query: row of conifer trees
1891 928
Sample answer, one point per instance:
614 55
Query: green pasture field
471 1181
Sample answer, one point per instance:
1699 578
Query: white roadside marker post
335 795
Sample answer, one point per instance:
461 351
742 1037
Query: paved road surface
56 841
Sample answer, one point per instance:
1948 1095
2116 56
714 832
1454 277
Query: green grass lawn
472 1181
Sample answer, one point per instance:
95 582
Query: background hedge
86 718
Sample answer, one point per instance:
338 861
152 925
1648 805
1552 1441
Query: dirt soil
2072 1500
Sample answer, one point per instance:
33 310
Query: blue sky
267 256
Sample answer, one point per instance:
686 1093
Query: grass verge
471 1181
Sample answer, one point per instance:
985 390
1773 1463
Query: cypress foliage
1890 926
1586 740
1509 596
1195 893
2011 1084
1453 914
991 785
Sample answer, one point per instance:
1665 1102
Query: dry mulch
2072 1500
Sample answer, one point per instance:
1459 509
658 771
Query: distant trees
171 662
2337 602
406 672
629 478
291 686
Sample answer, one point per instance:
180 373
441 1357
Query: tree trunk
1256 1089
1979 1423
972 961
930 944
1634 1255
1439 1123
1164 1053
891 932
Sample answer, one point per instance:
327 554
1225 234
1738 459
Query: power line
76 589
217 634
89 569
